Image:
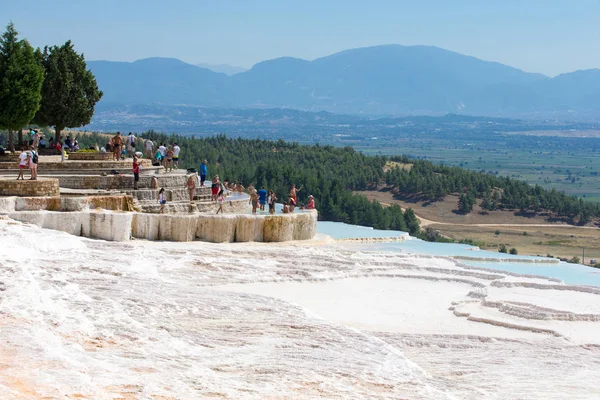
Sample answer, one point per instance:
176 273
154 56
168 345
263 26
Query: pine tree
21 77
412 223
70 91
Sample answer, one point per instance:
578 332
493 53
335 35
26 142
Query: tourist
253 198
68 142
285 209
169 156
23 163
30 136
239 187
51 144
33 162
149 146
116 144
176 150
163 152
136 172
75 146
310 205
262 198
271 201
43 142
154 182
203 172
220 201
36 140
292 204
293 192
191 186
161 200
215 187
131 144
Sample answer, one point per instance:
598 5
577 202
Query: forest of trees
329 173
433 182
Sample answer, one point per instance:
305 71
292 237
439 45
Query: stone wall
105 225
121 226
90 156
39 187
117 182
225 227
56 203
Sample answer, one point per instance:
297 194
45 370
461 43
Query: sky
549 36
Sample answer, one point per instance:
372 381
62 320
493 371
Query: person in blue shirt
262 198
203 172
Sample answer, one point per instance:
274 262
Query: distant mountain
223 68
381 80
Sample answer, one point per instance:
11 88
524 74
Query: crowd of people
220 190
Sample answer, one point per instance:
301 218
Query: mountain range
380 80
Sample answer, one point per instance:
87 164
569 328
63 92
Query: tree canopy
69 92
21 77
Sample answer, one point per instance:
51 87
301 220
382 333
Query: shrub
502 249
513 251
497 232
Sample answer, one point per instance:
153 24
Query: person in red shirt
136 172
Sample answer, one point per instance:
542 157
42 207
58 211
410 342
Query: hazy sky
547 36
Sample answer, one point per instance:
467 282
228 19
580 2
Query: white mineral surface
90 319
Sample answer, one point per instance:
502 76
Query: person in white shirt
23 163
176 150
163 151
149 148
131 145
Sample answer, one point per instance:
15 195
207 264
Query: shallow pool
531 265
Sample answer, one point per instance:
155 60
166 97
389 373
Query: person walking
23 163
191 186
117 144
176 150
33 162
203 172
136 172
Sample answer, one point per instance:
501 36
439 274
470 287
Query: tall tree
70 91
21 76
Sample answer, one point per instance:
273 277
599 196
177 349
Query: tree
412 223
21 77
503 249
70 91
466 202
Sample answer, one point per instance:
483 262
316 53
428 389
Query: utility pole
583 256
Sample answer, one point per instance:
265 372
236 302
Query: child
162 200
220 200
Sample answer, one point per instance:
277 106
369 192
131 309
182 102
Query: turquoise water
339 230
569 273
